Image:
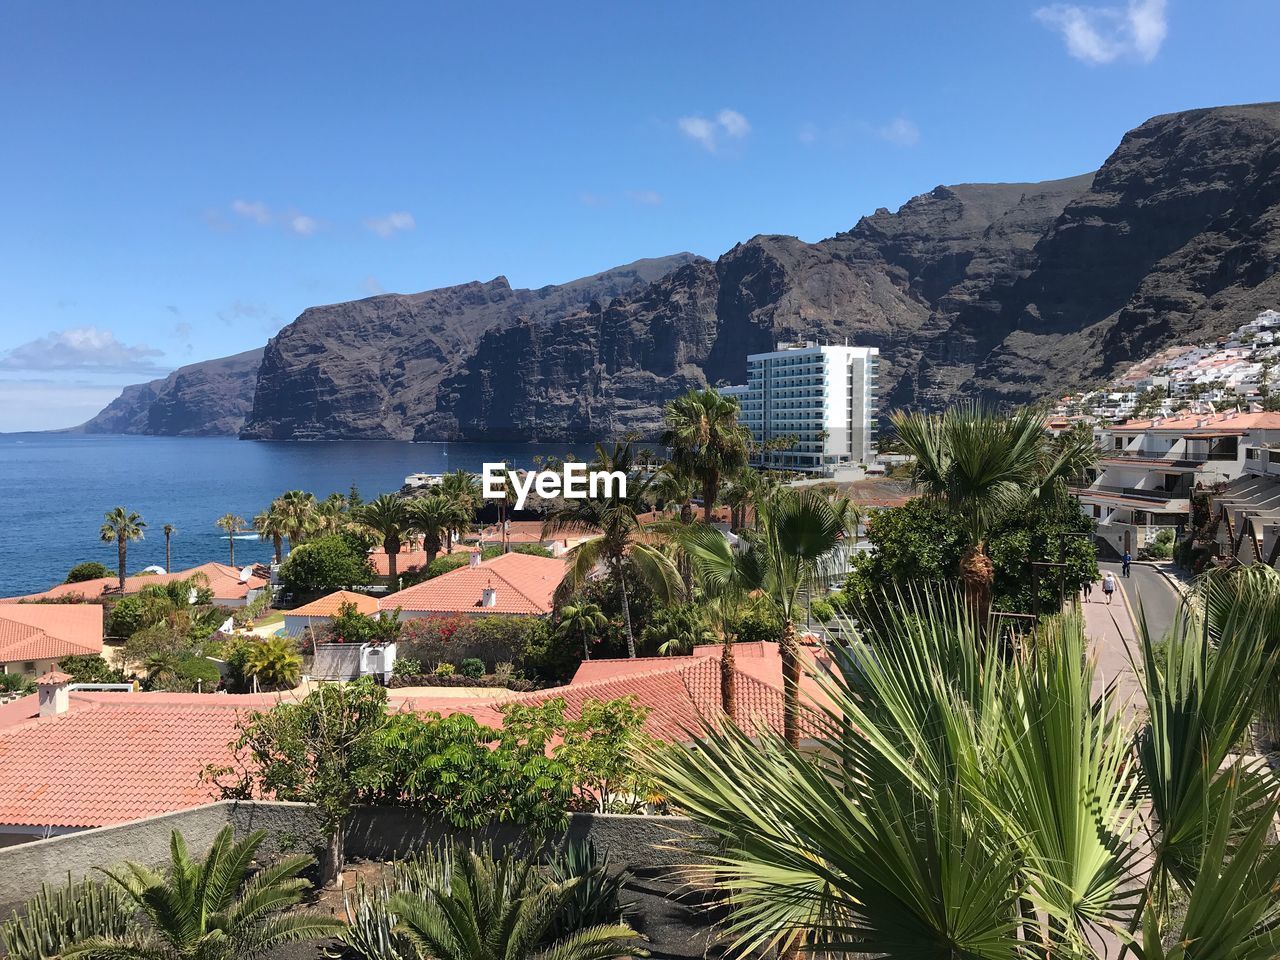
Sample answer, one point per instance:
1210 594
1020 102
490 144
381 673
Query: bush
822 611
444 670
471 667
89 668
406 667
352 626
326 564
675 630
755 626
16 683
456 638
89 570
1161 548
275 662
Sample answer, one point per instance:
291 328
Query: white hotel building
824 396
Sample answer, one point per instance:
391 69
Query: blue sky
182 180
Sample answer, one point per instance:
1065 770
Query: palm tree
433 517
706 440
791 551
581 621
390 518
982 465
169 531
270 526
679 486
965 803
297 515
465 490
120 527
232 524
481 908
215 909
618 542
274 663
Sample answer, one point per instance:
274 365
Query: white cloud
373 286
728 124
50 405
647 198
900 131
303 225
259 213
81 348
259 315
254 210
391 223
1104 34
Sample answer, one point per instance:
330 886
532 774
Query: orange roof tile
329 606
224 581
1215 422
48 631
522 584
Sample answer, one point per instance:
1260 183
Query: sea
55 488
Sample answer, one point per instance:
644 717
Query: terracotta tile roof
224 581
530 531
112 757
1215 423
523 584
328 606
48 631
411 558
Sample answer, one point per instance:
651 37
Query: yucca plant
57 917
502 908
964 802
210 909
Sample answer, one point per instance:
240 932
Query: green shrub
471 667
406 667
89 570
444 670
16 683
326 564
89 668
822 611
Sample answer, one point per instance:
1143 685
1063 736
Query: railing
1138 493
1192 460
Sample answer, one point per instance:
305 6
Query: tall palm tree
212 909
464 488
706 440
270 525
618 541
581 621
119 527
433 516
481 908
169 531
983 465
232 524
297 515
792 550
963 803
389 517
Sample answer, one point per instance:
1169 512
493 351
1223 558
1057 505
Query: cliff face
1010 292
200 400
370 369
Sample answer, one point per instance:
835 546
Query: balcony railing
1183 460
1180 492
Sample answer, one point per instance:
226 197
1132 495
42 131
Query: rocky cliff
206 399
1009 292
371 369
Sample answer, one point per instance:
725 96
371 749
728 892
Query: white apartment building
1150 468
824 396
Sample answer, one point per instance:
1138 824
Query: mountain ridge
1005 291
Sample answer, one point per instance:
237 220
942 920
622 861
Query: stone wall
650 849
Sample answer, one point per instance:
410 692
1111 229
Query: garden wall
649 848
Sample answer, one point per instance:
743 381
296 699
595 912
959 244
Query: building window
29 667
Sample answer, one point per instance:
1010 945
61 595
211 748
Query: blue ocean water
55 488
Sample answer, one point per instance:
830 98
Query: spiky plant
965 802
211 909
57 917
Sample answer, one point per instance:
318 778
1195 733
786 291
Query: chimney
488 597
474 560
54 690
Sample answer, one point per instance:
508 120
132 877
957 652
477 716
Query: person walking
1109 585
1088 590
1125 561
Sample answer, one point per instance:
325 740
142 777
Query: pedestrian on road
1088 590
1125 561
1109 585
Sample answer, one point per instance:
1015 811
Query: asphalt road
1146 586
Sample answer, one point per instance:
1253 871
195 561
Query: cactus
57 917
